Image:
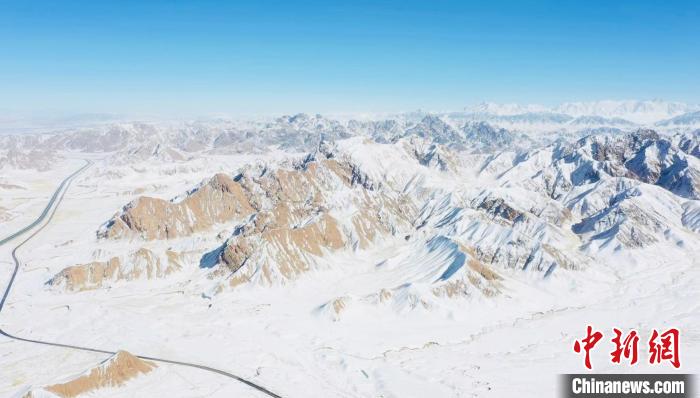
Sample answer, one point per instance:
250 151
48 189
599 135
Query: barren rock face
114 372
643 156
280 218
296 219
219 200
142 263
498 208
287 249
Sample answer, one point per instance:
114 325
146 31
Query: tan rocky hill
280 218
114 372
219 200
142 263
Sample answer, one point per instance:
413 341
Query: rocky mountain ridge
462 219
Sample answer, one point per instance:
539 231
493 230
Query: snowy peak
487 137
434 128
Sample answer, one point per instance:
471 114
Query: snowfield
403 259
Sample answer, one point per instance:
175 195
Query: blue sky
209 57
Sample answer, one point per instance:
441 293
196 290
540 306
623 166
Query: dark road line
56 199
42 216
46 210
191 365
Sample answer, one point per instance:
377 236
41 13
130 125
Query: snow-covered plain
328 332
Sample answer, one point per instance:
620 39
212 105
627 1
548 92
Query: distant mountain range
640 112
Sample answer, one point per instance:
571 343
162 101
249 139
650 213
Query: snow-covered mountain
622 112
493 108
482 128
643 112
299 234
685 119
558 206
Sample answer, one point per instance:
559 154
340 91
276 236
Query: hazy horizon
10 115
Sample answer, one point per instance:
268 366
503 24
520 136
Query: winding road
49 211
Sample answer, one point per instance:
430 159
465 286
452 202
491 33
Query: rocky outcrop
141 264
689 143
498 208
282 218
431 155
644 156
297 219
219 200
433 128
113 373
483 137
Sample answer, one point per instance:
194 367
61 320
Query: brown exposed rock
479 276
219 200
338 305
294 243
367 227
285 215
289 247
499 208
476 265
294 225
560 258
114 372
384 295
142 263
